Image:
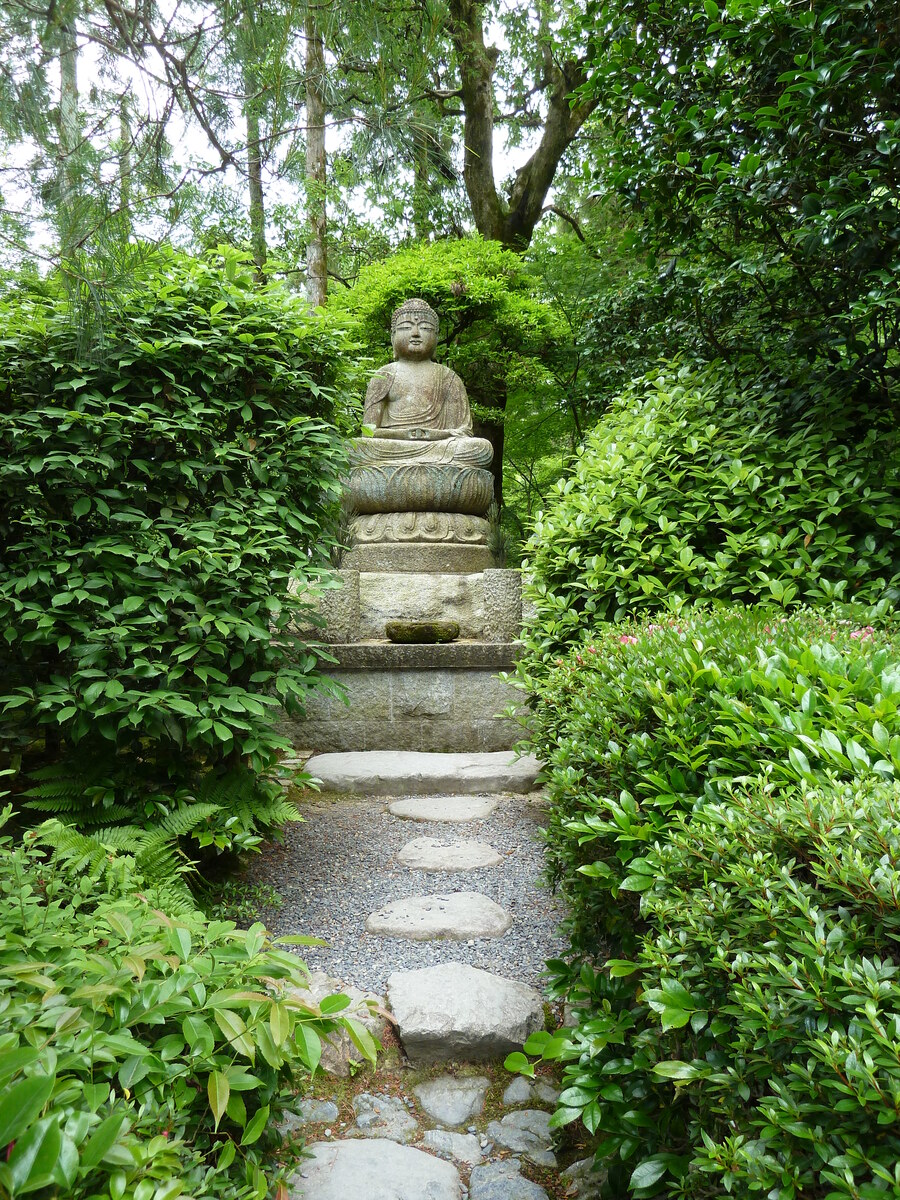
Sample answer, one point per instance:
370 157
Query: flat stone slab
382 1116
453 1100
458 916
444 808
432 854
526 1132
453 1011
463 1147
376 1170
414 773
503 1181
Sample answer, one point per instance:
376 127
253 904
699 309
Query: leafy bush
143 1057
691 490
163 495
751 1046
724 792
646 720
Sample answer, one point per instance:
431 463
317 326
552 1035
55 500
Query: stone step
456 1012
377 1169
444 808
460 854
457 916
414 773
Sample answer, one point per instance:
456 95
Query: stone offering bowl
421 632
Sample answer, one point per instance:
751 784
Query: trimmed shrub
143 1056
750 1048
645 721
690 490
163 499
723 821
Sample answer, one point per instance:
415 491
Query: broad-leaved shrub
691 490
164 492
750 1047
144 1056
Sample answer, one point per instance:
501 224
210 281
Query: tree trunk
251 104
67 214
509 222
316 248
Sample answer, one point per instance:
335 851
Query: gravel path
340 865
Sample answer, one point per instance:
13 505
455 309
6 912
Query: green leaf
255 1126
218 1090
308 1045
650 1171
21 1104
103 1137
34 1157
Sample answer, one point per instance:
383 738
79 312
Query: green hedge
160 488
143 1057
690 489
723 789
750 1047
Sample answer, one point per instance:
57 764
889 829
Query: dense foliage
163 490
756 146
758 1050
143 1056
691 489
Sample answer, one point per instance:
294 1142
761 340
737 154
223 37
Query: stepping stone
452 1100
453 1011
464 1147
444 808
458 916
527 1132
381 1116
503 1181
431 854
520 1091
583 1180
377 1170
318 1112
415 773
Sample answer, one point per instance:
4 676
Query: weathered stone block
445 557
502 605
419 596
421 694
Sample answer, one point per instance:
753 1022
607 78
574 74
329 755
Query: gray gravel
340 865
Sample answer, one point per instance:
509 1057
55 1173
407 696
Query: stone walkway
438 1126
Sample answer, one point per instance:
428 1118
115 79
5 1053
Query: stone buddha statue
421 477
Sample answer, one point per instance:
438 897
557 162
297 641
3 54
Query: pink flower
591 650
627 640
867 632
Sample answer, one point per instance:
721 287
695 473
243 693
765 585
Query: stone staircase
448 1013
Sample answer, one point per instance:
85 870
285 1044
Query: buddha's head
414 330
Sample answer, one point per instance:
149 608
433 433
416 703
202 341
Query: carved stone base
420 487
439 557
459 528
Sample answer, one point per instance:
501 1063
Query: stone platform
408 697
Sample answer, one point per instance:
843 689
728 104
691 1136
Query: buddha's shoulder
381 382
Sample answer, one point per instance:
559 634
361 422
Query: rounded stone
453 1099
457 916
444 808
431 854
421 487
421 632
503 1181
526 1132
454 1011
377 1169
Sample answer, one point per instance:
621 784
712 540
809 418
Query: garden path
422 874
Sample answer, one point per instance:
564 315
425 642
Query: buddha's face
414 337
